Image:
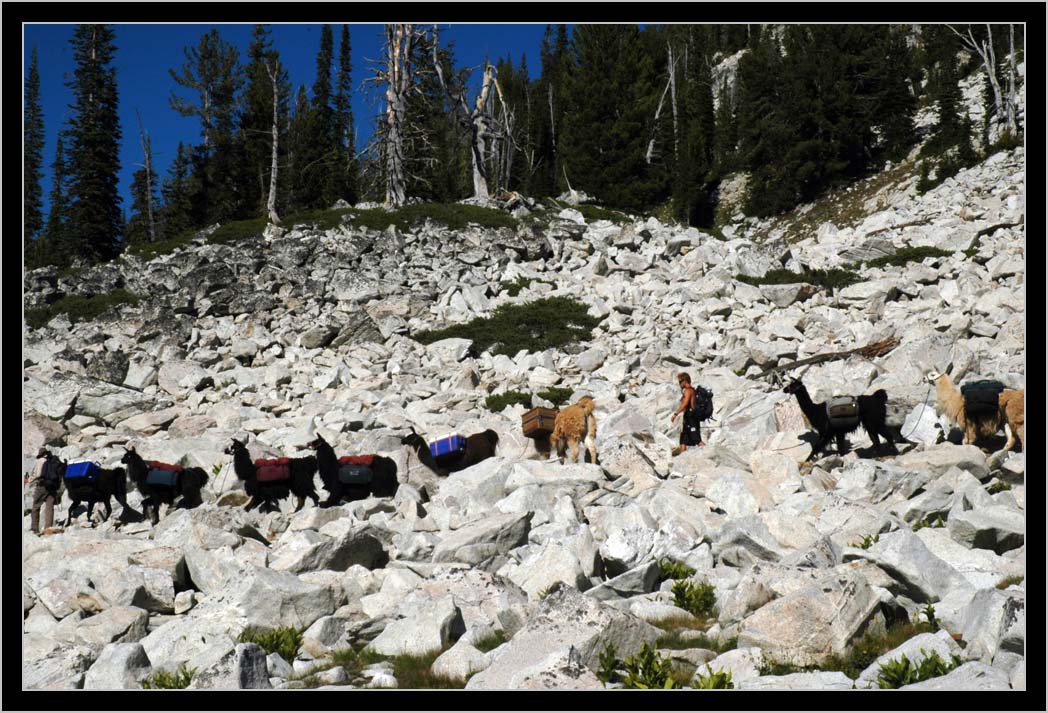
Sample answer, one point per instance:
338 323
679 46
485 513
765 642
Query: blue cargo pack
448 448
355 474
85 471
166 478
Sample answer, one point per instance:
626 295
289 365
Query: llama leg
574 450
301 502
69 512
108 508
250 504
591 446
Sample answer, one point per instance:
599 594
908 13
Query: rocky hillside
520 571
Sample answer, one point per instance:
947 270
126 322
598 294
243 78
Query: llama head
316 442
129 452
793 387
233 447
934 376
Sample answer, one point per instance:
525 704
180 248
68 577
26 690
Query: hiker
689 432
47 486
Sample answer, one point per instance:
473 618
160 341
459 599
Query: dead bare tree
671 88
984 50
271 201
148 166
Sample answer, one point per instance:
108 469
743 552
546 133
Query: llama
479 447
300 482
111 482
573 424
1013 415
873 414
383 483
189 484
951 403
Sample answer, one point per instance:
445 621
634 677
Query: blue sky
145 52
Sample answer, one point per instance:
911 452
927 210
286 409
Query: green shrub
283 640
924 522
609 663
535 326
828 279
866 542
497 402
556 395
668 569
696 599
513 288
166 679
410 671
929 614
593 212
863 652
713 680
908 255
148 251
1009 581
490 642
79 308
900 672
238 230
1006 142
999 487
647 669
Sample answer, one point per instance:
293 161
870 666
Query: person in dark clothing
689 432
47 486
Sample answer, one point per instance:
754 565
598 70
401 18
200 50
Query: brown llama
1013 414
951 403
573 424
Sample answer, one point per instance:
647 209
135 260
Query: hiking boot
677 451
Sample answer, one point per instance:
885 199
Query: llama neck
805 402
242 464
422 451
326 458
137 467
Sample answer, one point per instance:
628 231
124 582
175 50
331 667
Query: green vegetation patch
513 288
410 671
556 395
283 640
712 680
999 487
236 230
696 599
455 216
592 213
79 308
535 326
829 279
644 670
497 402
167 679
900 672
860 655
148 251
668 569
490 642
907 255
1009 581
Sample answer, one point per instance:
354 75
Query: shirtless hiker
689 433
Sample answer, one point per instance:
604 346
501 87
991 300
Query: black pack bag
703 403
51 475
981 397
843 411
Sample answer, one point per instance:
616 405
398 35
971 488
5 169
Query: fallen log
869 351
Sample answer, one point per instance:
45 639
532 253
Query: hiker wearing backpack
695 409
47 488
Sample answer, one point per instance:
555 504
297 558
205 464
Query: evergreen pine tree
256 123
349 168
725 133
212 71
610 103
176 214
94 225
137 226
33 157
55 248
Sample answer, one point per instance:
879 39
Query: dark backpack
843 411
51 475
703 403
982 397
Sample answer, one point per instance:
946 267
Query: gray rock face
485 539
64 668
458 662
988 528
638 580
118 666
808 625
242 668
565 620
920 575
817 680
432 628
308 551
119 625
994 620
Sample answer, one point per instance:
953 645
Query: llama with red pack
268 481
354 477
163 483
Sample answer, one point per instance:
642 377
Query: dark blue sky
145 53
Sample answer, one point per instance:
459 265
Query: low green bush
593 212
713 680
282 640
607 672
696 599
668 569
79 308
908 255
490 642
1009 581
148 251
829 279
238 230
170 680
900 672
999 487
556 395
497 402
646 669
513 288
535 326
